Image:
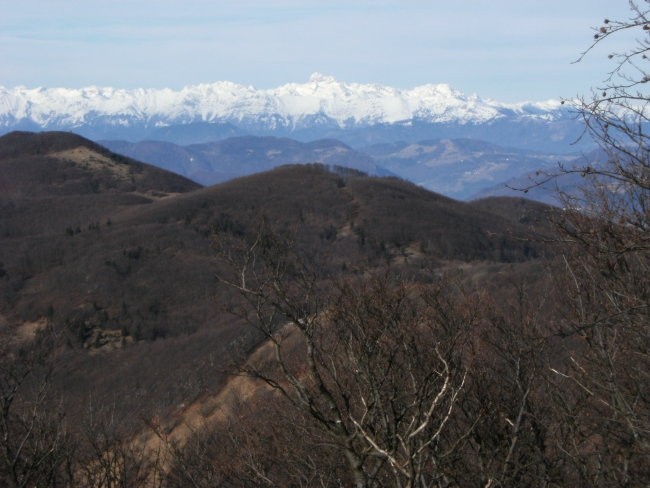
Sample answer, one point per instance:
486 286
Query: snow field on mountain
348 104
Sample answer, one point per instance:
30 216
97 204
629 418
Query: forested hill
92 242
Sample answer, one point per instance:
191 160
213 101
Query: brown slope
352 214
150 273
518 209
52 181
70 156
126 275
397 214
63 263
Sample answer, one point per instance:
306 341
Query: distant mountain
547 184
460 168
239 156
357 114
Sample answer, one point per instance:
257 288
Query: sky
507 50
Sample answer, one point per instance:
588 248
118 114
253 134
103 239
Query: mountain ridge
320 108
214 162
348 104
458 168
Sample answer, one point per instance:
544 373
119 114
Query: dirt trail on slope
209 411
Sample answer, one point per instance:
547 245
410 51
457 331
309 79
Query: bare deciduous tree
606 265
375 363
36 447
109 457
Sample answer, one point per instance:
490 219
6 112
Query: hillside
118 256
53 181
155 328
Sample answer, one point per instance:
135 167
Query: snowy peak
321 100
321 78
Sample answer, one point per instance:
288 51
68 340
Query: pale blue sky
509 50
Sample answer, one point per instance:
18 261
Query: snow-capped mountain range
358 114
347 104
